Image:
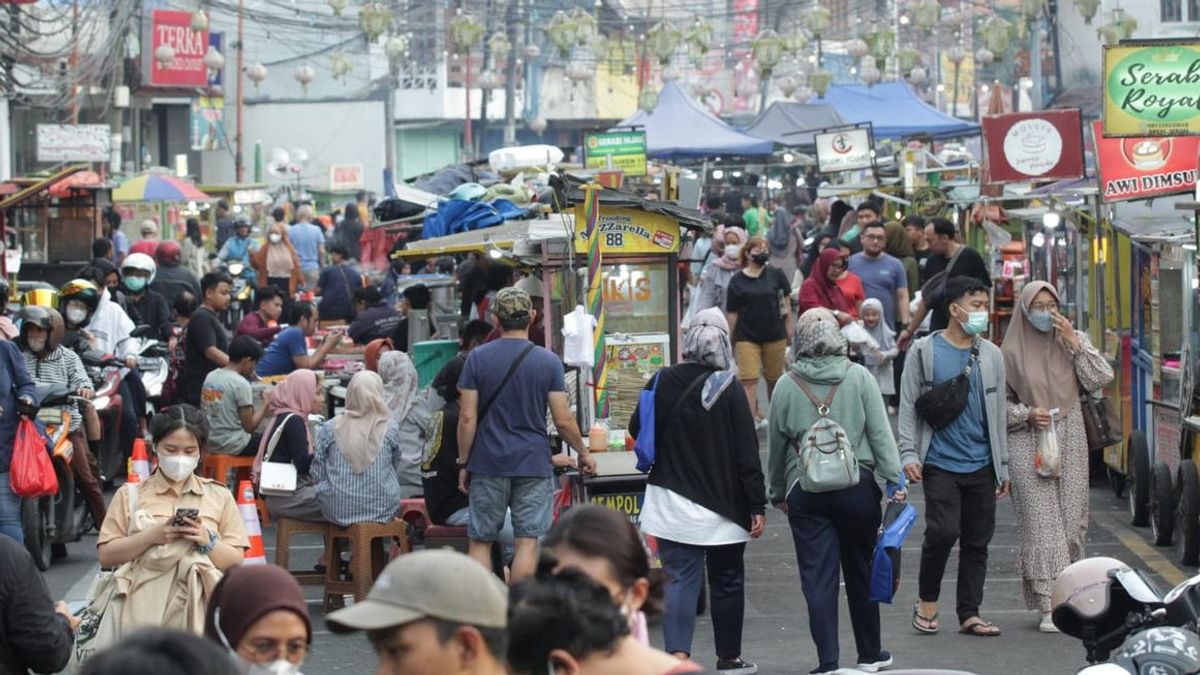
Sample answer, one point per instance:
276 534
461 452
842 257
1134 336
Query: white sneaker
882 661
1047 624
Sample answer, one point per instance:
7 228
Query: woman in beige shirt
171 561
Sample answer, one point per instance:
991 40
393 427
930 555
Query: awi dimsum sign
1152 89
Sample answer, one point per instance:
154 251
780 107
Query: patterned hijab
360 430
1038 367
818 334
400 384
707 343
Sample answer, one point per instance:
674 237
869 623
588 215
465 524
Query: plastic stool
367 557
285 528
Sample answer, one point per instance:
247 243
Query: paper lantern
819 80
984 56
532 51
817 19
1087 9
767 49
648 99
256 73
395 47
918 76
374 18
856 47
537 125
663 39
164 54
304 75
337 6
199 21
214 60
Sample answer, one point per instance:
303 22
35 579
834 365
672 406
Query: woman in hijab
278 264
821 289
1047 365
287 439
834 532
900 247
704 496
350 232
195 258
818 242
879 360
357 464
258 613
714 280
410 412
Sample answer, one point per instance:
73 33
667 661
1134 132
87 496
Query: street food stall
48 223
157 196
250 199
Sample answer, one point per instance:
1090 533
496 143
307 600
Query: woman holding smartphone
172 536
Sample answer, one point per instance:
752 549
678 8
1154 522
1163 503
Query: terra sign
174 29
1042 145
1152 89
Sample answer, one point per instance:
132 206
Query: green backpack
827 461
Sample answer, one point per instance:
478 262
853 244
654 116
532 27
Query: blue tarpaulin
790 123
894 111
681 128
460 215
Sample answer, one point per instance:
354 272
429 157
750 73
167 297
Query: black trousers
833 530
959 507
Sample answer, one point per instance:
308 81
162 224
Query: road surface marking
1134 541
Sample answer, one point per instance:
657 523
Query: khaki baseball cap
439 584
512 303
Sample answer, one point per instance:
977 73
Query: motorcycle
152 364
241 296
50 523
105 372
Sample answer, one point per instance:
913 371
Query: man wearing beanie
258 613
432 613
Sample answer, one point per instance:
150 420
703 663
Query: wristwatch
207 548
461 463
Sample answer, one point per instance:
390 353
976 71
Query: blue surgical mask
1043 321
134 284
976 323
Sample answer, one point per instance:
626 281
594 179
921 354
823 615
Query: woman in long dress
1048 363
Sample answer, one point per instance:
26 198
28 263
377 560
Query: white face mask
76 315
178 467
275 237
278 667
732 251
36 345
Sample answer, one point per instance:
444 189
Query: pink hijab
294 395
718 244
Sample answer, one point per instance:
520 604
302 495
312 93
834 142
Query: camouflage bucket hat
511 304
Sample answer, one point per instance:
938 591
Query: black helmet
31 316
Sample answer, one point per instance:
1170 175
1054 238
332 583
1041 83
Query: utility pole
240 159
74 62
512 29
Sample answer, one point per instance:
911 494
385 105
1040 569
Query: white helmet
140 262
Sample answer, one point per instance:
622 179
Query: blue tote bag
898 520
643 446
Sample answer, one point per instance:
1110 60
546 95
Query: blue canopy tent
793 124
894 111
680 128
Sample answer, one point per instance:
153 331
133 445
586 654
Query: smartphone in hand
181 516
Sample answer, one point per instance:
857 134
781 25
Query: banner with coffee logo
1152 88
1140 168
1045 145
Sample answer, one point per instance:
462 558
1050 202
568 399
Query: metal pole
389 124
510 72
74 62
468 141
239 159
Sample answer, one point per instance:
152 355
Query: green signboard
625 149
1152 89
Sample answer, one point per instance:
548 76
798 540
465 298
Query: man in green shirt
752 214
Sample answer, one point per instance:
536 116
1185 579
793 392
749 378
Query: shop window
1179 11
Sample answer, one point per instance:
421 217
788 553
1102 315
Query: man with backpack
953 437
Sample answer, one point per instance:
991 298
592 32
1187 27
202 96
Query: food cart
251 199
159 196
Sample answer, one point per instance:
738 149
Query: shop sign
174 29
345 177
73 142
1139 168
628 231
628 503
845 150
1152 88
208 123
625 149
1046 145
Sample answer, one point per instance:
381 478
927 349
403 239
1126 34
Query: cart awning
511 235
44 184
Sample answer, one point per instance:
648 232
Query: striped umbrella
154 187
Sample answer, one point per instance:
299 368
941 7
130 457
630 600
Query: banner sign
345 177
844 150
1045 145
73 143
1152 88
1140 168
627 150
174 29
208 124
630 231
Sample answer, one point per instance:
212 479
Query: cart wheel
1116 480
1162 505
1189 512
1139 484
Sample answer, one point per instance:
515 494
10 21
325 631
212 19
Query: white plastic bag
858 336
1047 462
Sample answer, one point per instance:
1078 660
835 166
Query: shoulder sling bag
645 447
487 405
945 401
1101 422
277 479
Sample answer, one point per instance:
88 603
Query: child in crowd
879 361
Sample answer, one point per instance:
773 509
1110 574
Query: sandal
979 628
930 622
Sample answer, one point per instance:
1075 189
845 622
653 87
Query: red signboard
1138 168
187 69
1045 145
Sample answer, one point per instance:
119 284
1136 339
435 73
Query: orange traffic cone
140 463
257 555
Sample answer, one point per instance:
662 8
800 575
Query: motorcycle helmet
1160 650
169 253
242 221
34 316
40 297
139 262
77 300
58 329
1089 602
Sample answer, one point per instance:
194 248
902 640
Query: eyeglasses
1044 307
268 650
838 264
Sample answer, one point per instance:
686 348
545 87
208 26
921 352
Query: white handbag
277 479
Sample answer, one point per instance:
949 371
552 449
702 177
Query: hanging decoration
340 65
199 21
787 85
561 31
698 38
819 80
374 18
803 93
1121 27
795 42
585 26
214 60
538 125
995 33
868 71
500 47
304 75
817 19
577 71
767 50
1087 9
164 54
857 48
663 39
395 48
1030 10
984 56
926 14
907 58
488 80
256 73
465 33
918 76
881 39
648 99
532 51
337 6
955 54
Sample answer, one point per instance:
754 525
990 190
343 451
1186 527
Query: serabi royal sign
1034 146
1140 168
844 150
1152 89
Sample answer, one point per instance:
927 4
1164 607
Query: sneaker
1047 624
736 667
883 660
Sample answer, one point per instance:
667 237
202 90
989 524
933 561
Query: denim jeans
10 510
507 544
684 566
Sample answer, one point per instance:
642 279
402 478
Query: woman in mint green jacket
833 531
